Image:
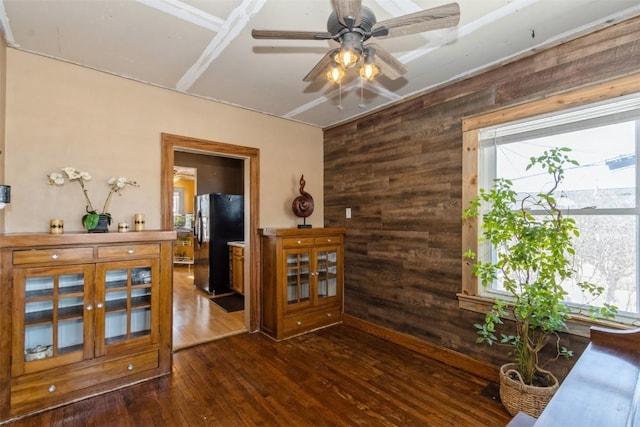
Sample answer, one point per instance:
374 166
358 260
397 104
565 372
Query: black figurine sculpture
303 205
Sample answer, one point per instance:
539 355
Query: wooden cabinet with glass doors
87 315
302 279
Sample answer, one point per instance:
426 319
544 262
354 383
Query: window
602 194
178 201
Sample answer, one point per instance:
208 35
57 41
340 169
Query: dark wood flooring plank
337 376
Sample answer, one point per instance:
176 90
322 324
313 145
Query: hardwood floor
338 376
196 319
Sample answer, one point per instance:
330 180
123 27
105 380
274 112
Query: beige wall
59 114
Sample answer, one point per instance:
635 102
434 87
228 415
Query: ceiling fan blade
348 12
321 66
435 18
388 64
290 35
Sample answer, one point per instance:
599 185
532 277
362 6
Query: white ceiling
205 48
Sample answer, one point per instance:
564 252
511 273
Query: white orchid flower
56 178
71 173
116 185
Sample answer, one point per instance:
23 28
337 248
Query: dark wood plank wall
399 170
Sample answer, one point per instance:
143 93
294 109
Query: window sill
579 325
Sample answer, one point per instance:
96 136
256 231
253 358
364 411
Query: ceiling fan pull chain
361 105
340 107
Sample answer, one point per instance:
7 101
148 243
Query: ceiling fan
180 172
352 24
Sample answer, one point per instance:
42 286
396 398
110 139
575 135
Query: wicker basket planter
517 396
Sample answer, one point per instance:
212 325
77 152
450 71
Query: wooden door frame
169 144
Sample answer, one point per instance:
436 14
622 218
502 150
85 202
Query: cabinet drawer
126 251
296 242
51 255
324 240
43 386
297 324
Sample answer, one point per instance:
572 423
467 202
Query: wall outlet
347 213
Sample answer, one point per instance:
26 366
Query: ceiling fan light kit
351 50
352 24
369 69
335 74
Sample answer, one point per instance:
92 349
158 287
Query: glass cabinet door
54 313
126 300
70 310
327 270
298 276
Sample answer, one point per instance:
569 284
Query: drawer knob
299 323
52 388
100 305
89 307
328 314
130 251
130 367
54 256
299 242
328 240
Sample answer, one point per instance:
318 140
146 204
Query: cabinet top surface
275 232
26 240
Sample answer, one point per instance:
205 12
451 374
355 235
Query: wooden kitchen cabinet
87 313
236 267
302 279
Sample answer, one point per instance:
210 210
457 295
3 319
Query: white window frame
471 297
610 112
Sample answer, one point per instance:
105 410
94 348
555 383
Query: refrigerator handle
199 228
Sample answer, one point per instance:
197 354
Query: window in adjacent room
178 201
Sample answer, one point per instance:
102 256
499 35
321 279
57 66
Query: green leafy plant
91 218
534 256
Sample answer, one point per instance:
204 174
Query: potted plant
93 221
534 256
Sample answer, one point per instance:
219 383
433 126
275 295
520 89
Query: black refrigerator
219 219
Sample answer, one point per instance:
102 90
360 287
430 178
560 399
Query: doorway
250 158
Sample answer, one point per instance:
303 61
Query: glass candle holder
56 226
123 227
138 222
